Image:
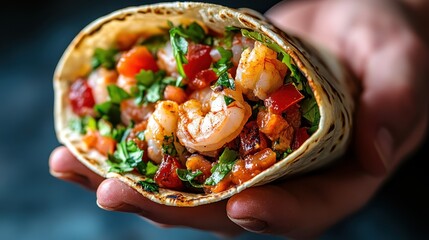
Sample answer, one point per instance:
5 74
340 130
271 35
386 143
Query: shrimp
162 124
206 132
98 80
259 73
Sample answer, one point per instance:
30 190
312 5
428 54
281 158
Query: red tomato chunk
198 59
135 60
166 176
81 98
283 98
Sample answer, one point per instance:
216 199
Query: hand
374 39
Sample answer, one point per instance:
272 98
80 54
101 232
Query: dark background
34 205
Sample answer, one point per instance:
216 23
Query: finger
304 207
114 195
63 165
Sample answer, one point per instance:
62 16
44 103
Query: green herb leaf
228 100
110 111
104 58
310 111
221 69
223 167
82 125
151 86
225 81
151 169
168 146
117 94
126 157
104 128
230 32
149 185
189 176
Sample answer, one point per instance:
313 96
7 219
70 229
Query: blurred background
34 205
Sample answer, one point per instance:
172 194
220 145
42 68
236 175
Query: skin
385 49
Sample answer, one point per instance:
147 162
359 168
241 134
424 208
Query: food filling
191 109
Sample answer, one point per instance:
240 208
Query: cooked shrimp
203 96
166 60
130 111
259 73
162 123
98 81
202 131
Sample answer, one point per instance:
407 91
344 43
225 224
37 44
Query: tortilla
332 86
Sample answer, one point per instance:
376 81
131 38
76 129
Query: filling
193 110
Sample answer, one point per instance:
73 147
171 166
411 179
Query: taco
191 103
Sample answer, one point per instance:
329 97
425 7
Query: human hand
381 49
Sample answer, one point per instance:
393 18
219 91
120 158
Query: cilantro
104 127
221 69
81 125
225 81
109 111
223 167
189 176
168 146
228 100
180 49
179 43
104 58
155 42
117 94
310 111
151 86
149 185
230 32
141 136
126 157
147 168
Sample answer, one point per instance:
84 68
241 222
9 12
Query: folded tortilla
332 86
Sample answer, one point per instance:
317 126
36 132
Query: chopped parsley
189 176
230 32
223 167
104 58
126 157
117 94
228 100
221 69
168 146
149 185
178 38
310 111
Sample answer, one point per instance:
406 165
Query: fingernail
122 207
251 224
384 146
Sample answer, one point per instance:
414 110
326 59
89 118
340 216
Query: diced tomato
252 165
283 98
202 79
81 98
136 59
233 71
199 58
166 176
105 145
293 116
176 94
301 135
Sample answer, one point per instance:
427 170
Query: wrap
331 85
